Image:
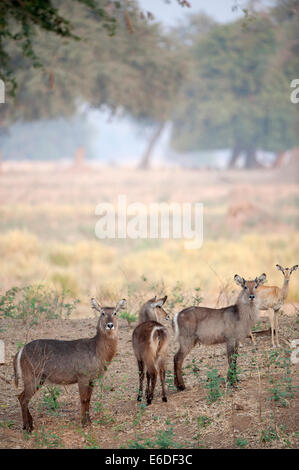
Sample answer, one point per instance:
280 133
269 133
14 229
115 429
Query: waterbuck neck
285 288
106 344
247 310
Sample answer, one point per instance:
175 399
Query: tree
21 21
138 73
236 97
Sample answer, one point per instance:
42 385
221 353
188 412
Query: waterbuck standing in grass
272 299
202 325
150 344
68 362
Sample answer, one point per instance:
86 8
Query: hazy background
183 108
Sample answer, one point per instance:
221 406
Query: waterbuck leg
276 312
153 381
232 352
141 378
178 363
148 382
85 391
29 390
162 378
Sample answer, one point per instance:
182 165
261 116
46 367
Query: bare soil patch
246 417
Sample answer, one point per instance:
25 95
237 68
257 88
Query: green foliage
169 380
238 91
203 421
268 435
131 318
50 400
241 442
142 408
213 384
164 439
91 441
46 440
35 302
21 21
281 391
7 424
233 370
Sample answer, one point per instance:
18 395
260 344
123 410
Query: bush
131 318
34 303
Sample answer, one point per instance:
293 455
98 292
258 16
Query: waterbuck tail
17 367
175 326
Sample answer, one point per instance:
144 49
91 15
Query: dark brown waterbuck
202 325
67 362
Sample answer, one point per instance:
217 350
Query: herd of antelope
82 361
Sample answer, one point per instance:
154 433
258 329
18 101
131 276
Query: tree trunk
234 156
250 159
144 164
79 160
279 160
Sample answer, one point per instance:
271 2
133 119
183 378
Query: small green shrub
50 400
213 383
241 443
131 318
35 302
47 440
268 435
164 439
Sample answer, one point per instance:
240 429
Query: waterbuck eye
245 287
103 314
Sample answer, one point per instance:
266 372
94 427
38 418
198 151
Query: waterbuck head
249 288
287 271
107 323
155 307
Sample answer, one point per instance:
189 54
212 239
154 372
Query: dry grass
47 220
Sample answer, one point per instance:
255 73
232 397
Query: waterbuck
67 362
272 299
152 310
150 344
202 325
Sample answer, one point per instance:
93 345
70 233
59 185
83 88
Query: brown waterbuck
150 345
272 299
152 310
68 362
202 325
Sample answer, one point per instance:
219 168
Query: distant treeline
221 86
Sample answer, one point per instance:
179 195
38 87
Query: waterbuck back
150 342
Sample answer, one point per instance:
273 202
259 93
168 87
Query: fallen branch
5 379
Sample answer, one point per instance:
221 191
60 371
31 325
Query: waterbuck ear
280 268
294 268
239 280
121 305
95 304
159 302
261 279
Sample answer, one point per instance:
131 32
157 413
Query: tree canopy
238 94
222 86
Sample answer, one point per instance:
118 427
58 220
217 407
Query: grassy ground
261 413
47 223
